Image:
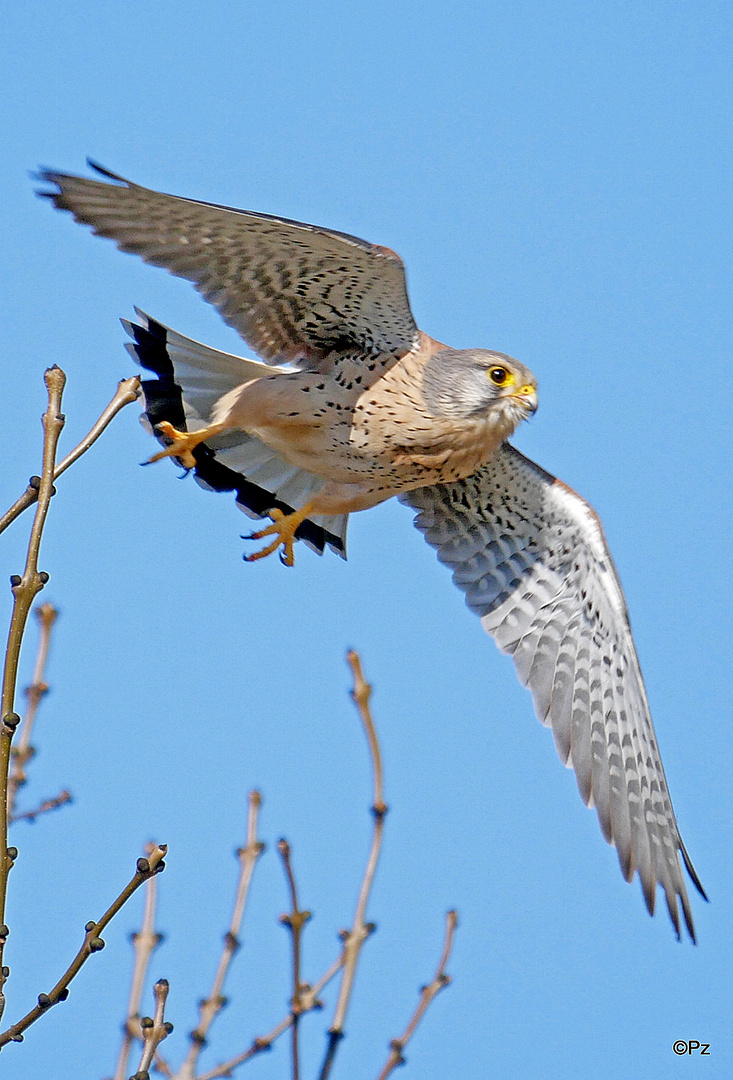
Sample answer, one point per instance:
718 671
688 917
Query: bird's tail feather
191 378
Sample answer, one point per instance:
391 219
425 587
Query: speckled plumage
353 404
532 560
368 439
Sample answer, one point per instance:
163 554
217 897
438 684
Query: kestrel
353 404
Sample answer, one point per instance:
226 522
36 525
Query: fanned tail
191 378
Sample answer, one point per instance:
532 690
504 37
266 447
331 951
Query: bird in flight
352 404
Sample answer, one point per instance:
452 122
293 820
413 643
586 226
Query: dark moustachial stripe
164 401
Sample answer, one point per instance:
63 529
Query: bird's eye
499 376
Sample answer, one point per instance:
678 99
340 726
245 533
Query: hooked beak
527 397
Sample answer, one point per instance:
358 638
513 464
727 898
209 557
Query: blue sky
557 178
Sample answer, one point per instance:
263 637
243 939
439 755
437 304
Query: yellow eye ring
500 376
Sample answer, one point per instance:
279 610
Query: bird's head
466 383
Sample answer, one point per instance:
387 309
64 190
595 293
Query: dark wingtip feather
649 892
45 175
687 913
42 173
671 898
626 862
691 871
106 172
53 176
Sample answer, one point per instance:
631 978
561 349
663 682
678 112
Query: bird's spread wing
293 291
531 557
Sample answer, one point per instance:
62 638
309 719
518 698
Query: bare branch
361 694
144 943
309 1000
24 751
427 993
212 1005
92 943
25 589
57 801
162 1066
295 921
154 1030
360 931
259 1046
127 391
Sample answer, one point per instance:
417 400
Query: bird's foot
182 443
283 528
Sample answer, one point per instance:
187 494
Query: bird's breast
383 435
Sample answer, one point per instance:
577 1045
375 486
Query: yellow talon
183 443
283 528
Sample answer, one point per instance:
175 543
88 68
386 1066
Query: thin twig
295 921
154 1030
92 943
25 589
161 1065
47 805
309 1000
127 391
360 930
144 943
212 1005
427 993
24 751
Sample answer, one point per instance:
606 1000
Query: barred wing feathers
295 292
531 557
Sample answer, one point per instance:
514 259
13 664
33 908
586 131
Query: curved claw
182 443
283 529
